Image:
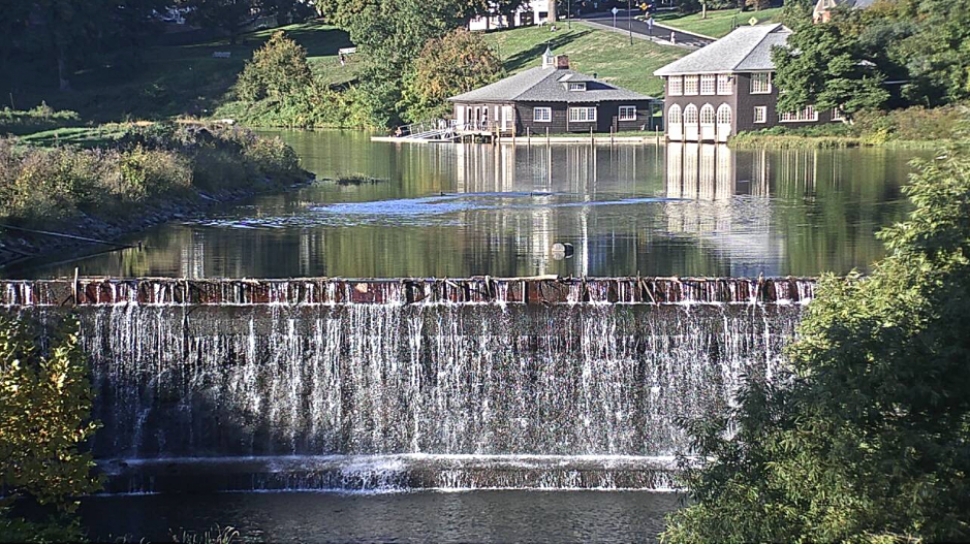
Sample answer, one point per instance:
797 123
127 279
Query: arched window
673 115
723 114
690 114
707 115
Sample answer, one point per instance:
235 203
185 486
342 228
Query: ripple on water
420 211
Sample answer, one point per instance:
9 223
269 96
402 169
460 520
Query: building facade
553 99
727 87
534 12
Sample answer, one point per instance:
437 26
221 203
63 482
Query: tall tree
458 62
868 438
822 66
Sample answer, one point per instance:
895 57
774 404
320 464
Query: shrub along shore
909 128
127 178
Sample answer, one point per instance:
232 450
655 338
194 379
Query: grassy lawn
166 81
718 22
607 54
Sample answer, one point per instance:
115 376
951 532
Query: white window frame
707 116
588 114
838 114
708 84
721 111
536 118
724 82
691 84
627 117
757 86
576 86
760 114
693 113
806 115
675 86
675 115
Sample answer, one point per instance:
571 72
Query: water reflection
459 210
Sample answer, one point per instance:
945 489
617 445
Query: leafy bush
41 117
278 69
45 414
39 185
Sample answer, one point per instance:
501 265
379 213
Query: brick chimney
562 62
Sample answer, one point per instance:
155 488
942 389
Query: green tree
868 438
45 414
457 63
822 66
277 70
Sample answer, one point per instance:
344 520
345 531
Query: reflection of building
713 177
726 87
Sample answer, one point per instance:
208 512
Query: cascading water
389 395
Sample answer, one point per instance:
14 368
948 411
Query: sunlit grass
607 54
718 22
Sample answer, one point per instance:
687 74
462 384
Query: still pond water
459 210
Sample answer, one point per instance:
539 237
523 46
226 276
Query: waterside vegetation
864 438
910 128
123 178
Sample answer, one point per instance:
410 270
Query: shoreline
19 245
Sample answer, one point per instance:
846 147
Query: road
659 33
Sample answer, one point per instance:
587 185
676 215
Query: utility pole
629 20
569 14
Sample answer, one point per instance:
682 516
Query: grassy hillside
605 53
165 81
718 22
170 81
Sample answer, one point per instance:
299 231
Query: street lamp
569 12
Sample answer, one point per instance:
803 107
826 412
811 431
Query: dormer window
577 86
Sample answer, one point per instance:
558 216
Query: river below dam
296 411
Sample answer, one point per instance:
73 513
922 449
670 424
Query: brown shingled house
552 97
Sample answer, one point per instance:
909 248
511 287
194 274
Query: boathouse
726 87
555 99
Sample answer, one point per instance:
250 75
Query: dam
409 384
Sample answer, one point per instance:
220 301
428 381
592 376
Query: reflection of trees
781 212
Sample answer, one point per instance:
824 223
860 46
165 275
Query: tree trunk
64 84
552 12
704 9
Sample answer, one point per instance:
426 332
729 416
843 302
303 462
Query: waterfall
394 395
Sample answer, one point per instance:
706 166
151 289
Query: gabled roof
547 85
746 49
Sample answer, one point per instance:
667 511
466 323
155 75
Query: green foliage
922 45
456 63
41 117
55 529
45 414
277 70
866 438
821 65
144 164
391 35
